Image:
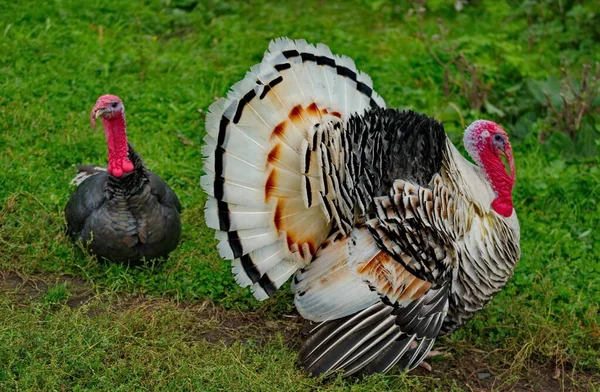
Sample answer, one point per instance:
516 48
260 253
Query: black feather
390 144
376 338
125 219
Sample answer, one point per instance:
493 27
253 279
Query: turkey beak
96 112
99 112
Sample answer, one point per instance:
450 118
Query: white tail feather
266 207
248 240
239 217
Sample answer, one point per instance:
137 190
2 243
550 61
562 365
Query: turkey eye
498 138
114 104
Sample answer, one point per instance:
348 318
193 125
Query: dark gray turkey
124 213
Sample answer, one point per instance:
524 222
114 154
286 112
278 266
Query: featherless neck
487 143
118 149
502 182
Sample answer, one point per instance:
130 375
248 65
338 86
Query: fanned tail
264 204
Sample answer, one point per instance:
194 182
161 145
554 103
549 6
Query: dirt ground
471 369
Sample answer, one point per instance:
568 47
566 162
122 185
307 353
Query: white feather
328 289
262 147
238 169
258 292
250 239
234 192
240 217
84 175
281 272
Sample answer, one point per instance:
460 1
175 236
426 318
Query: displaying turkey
124 213
391 236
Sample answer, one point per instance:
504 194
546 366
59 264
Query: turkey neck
501 181
116 139
129 183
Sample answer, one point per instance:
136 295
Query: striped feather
234 244
236 216
249 268
371 310
376 338
263 185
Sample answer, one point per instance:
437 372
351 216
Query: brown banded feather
277 218
253 114
296 114
279 130
270 185
313 109
274 154
300 225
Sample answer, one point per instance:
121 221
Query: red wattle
116 171
127 166
501 181
116 139
503 207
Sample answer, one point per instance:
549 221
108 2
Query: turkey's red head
107 107
112 112
487 143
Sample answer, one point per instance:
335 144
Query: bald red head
106 106
486 142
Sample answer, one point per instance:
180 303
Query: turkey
391 237
124 213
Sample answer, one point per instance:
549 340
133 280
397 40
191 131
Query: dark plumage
124 218
394 144
387 144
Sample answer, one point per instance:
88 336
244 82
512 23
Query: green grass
139 346
168 62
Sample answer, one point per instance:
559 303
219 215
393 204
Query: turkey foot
430 354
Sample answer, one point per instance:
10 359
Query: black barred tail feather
261 173
368 311
375 339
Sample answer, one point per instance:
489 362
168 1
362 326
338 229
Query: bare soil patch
22 289
473 369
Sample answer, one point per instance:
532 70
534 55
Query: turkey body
390 235
124 219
